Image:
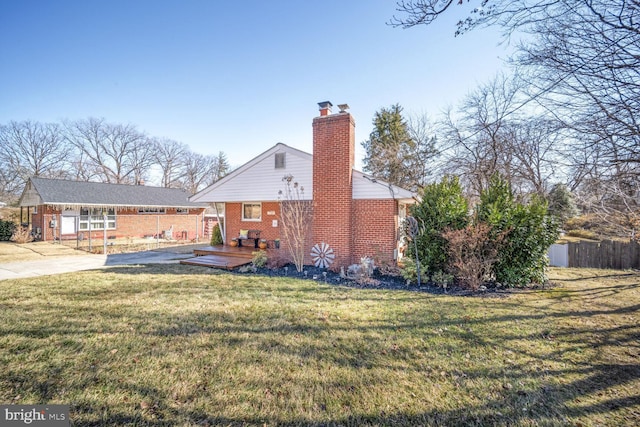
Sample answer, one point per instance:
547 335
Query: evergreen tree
561 203
396 152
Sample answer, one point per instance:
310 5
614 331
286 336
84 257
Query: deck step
217 261
237 252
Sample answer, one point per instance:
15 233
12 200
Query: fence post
104 233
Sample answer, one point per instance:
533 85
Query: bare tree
423 158
491 134
115 153
201 171
294 215
171 157
220 167
583 66
477 136
31 149
534 143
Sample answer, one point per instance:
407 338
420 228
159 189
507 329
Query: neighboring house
354 214
62 209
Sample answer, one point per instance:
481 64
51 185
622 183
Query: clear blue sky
231 76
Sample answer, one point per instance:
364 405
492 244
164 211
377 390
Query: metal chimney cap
325 104
343 107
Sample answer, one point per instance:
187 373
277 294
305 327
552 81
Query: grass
35 251
172 345
18 252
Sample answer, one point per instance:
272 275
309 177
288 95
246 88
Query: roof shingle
64 192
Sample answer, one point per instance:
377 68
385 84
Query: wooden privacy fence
604 254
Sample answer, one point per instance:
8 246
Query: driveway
67 264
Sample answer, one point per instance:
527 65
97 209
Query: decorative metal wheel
322 255
411 227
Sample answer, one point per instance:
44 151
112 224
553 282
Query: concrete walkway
44 267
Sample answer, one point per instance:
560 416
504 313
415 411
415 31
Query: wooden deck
220 257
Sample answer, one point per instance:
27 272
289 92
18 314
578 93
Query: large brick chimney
333 161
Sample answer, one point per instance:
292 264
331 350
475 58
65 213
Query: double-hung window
252 211
95 218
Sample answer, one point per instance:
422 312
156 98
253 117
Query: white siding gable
366 187
260 180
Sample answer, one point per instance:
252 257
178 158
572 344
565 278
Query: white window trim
98 219
251 219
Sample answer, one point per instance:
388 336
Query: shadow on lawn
548 403
553 408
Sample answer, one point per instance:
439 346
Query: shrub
7 228
216 236
528 232
22 235
442 207
259 259
472 254
277 260
442 279
409 271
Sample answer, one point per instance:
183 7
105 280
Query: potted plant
234 242
263 244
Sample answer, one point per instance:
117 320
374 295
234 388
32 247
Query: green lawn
171 345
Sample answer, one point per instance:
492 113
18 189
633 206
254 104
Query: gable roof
258 180
65 193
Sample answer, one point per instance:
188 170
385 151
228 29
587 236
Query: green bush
442 207
7 228
528 232
216 236
442 279
514 251
259 259
409 272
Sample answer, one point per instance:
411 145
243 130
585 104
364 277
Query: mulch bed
377 281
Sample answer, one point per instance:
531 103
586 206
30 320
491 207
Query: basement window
281 160
152 210
252 211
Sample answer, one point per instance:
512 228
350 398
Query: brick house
351 212
63 209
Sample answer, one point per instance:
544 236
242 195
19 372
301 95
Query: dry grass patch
33 251
178 345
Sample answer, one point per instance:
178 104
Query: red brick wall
333 160
234 222
375 223
129 224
